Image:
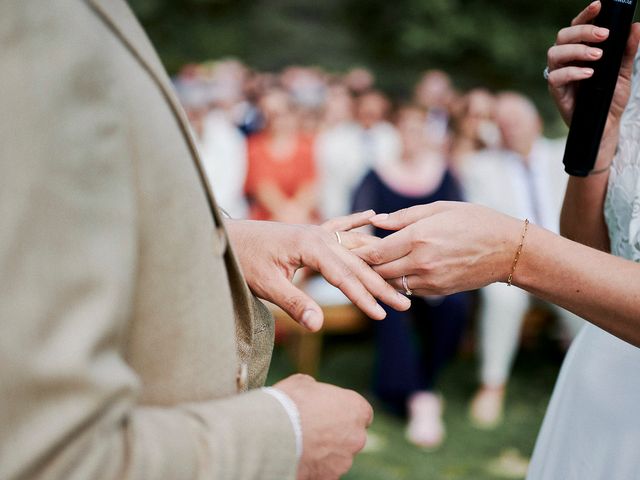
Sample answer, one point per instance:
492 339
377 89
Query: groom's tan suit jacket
126 327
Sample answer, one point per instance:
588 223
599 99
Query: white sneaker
426 428
487 407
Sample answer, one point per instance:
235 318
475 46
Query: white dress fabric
592 427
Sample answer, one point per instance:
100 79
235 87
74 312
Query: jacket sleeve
68 250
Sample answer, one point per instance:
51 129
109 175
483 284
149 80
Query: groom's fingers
344 277
374 283
348 222
386 250
407 216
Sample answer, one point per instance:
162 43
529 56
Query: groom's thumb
298 305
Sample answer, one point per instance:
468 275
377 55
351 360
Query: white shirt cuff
293 413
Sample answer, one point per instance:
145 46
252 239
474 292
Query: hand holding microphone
586 74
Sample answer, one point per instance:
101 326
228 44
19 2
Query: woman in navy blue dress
413 346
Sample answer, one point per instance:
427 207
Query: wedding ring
546 73
338 237
405 285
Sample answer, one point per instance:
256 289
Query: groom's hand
270 253
334 423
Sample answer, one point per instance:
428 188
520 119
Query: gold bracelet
518 253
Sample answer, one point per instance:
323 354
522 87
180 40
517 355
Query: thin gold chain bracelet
518 252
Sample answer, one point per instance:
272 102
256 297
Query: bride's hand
570 61
444 247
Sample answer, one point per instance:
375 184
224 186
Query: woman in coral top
281 178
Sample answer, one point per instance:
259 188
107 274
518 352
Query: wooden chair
304 347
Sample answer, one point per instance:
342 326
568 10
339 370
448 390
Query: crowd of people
305 145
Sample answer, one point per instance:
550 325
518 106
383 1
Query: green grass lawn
468 453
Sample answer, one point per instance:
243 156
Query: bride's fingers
582 34
386 250
588 14
348 222
397 268
560 55
407 216
353 240
566 75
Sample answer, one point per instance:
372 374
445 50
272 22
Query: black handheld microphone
594 95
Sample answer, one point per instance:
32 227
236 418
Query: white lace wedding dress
592 428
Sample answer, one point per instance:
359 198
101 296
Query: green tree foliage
501 44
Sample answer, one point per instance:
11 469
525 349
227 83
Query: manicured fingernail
380 217
587 71
602 32
405 301
310 319
595 52
380 311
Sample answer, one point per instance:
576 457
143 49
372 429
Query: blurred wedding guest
434 92
359 80
412 347
474 126
224 156
281 178
307 88
247 113
339 157
379 139
210 93
192 94
521 179
306 85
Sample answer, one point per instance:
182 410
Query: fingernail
310 319
587 71
595 52
380 311
380 217
602 32
404 300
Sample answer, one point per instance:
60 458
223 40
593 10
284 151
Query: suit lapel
122 21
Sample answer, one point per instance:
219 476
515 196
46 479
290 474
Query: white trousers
502 311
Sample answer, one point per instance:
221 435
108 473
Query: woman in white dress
592 427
